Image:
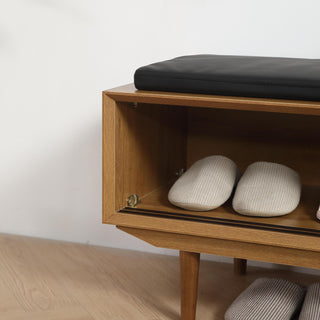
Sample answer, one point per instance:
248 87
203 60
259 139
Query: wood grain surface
52 280
301 220
146 143
189 276
130 93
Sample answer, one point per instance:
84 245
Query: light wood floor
50 280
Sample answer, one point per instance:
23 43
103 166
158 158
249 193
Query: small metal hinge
133 200
180 172
135 105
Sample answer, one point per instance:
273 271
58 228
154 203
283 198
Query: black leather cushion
266 77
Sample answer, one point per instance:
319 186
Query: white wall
56 56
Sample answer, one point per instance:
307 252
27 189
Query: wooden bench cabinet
149 138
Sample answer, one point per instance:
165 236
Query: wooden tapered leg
240 266
189 272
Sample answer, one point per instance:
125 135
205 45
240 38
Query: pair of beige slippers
276 299
265 189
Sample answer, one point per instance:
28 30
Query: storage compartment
153 142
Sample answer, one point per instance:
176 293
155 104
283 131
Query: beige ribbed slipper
311 305
266 190
267 299
206 185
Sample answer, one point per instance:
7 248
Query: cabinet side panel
150 148
108 158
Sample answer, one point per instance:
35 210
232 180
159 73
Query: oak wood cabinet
149 137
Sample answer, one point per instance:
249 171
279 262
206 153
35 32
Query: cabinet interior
153 142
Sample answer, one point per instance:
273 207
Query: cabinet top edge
128 93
